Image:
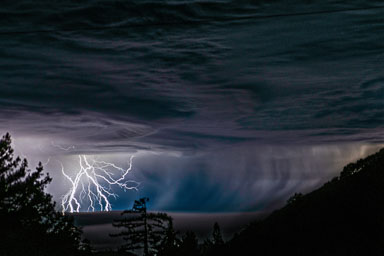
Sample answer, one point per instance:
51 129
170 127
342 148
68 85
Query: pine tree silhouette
29 223
216 235
142 230
189 245
170 244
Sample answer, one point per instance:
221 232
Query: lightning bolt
47 162
61 147
93 183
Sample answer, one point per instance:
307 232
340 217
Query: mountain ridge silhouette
343 217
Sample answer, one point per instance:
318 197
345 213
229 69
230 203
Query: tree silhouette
217 238
28 220
295 198
213 246
170 244
143 231
189 245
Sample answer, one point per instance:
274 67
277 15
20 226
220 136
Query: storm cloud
220 117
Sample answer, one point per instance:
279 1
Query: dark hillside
343 217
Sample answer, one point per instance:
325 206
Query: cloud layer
222 116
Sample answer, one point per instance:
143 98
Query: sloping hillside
343 217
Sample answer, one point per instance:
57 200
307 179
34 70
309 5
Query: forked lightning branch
92 184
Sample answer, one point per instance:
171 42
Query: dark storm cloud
225 97
203 102
52 96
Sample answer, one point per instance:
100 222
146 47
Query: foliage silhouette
214 245
189 245
296 197
29 223
217 238
170 243
142 230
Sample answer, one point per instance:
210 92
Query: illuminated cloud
219 118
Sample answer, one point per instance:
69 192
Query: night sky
222 116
